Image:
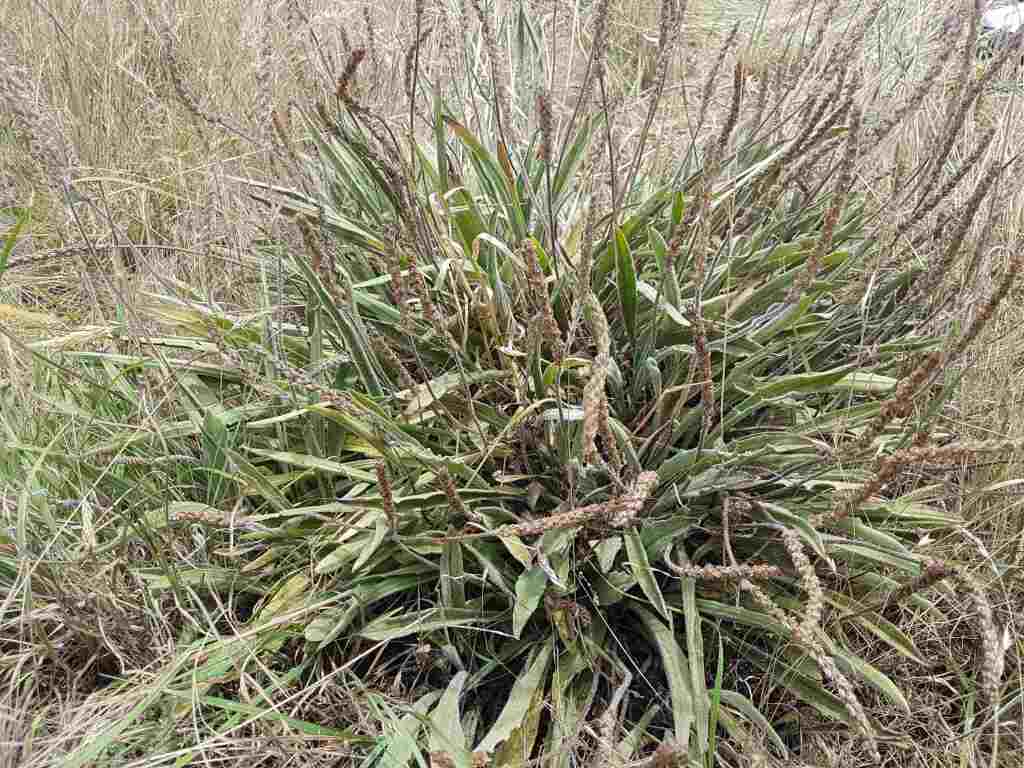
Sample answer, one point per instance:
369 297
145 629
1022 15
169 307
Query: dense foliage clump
564 449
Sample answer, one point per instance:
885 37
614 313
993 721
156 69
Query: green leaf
856 553
877 625
285 599
517 708
640 566
695 651
866 383
316 463
807 532
517 549
424 395
745 707
678 208
10 240
803 686
515 751
270 714
93 748
630 744
446 734
257 482
440 144
677 671
399 624
400 738
352 541
350 326
331 623
626 279
573 157
650 293
803 382
856 667
530 587
492 173
453 571
716 701
217 441
380 532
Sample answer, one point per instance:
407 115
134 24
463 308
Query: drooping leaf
397 625
677 671
643 573
446 734
530 587
517 709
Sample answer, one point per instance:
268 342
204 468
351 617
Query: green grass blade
446 734
626 281
676 670
640 566
518 707
530 587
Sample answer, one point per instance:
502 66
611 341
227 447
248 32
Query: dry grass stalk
840 57
712 76
257 380
931 280
501 79
804 633
611 445
541 301
284 152
702 363
414 61
48 146
723 572
844 181
825 22
809 643
391 358
545 123
993 652
607 727
816 129
968 95
369 21
263 77
458 514
925 207
808 579
297 24
344 88
595 73
702 242
932 573
917 98
172 64
593 391
419 284
618 513
888 468
898 406
669 32
668 755
321 264
988 309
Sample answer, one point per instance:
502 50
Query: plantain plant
573 443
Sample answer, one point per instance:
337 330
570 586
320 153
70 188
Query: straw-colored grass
129 130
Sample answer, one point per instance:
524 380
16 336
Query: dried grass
162 172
